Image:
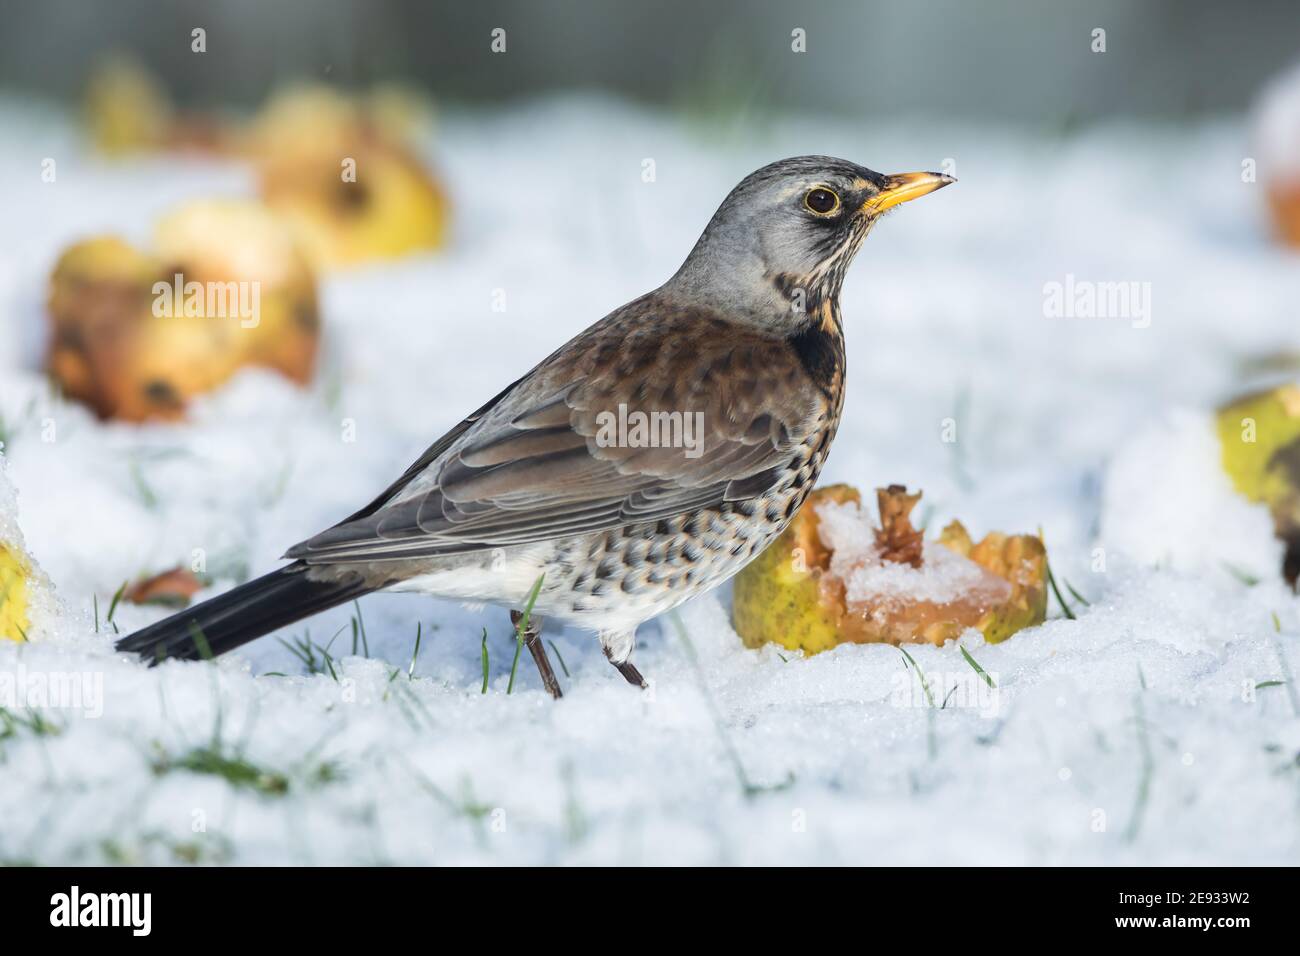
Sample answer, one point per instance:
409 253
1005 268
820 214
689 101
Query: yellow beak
904 187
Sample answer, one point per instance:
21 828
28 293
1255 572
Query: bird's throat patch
820 348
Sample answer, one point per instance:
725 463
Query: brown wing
563 451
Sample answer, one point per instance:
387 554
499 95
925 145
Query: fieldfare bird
645 461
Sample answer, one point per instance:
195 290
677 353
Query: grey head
778 246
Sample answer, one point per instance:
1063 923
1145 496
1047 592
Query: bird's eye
822 201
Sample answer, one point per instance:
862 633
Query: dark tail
243 614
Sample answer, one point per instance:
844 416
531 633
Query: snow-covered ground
1133 734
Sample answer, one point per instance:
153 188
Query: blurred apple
126 110
271 306
100 292
1260 438
15 622
340 169
1275 139
26 595
344 179
136 335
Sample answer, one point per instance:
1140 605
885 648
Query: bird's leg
533 641
632 675
629 672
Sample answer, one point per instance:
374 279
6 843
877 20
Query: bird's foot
632 675
533 641
629 672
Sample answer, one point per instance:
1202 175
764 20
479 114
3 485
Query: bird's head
776 251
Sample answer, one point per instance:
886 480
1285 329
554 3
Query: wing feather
536 462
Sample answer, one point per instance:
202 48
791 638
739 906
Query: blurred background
1009 59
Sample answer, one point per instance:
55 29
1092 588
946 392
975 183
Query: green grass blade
975 664
415 654
925 684
559 658
117 597
521 627
1051 580
361 626
201 641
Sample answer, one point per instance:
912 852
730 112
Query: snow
1168 501
1135 734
